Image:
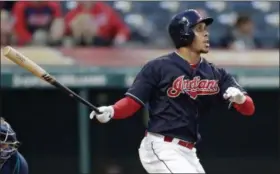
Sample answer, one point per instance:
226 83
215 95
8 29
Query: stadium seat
150 19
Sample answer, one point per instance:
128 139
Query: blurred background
97 48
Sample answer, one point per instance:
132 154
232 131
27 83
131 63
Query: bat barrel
6 50
23 61
14 55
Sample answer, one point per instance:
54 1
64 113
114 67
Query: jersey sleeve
227 80
144 84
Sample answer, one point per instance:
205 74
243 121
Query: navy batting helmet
181 25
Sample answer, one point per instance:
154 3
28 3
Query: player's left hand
107 112
235 95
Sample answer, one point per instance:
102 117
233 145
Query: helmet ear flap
191 37
187 37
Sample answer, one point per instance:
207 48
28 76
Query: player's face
201 41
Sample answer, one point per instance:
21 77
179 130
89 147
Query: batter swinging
178 87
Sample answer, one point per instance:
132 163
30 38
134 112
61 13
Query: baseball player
11 161
178 88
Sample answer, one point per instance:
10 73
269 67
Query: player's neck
188 55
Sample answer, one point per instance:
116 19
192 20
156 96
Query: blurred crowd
125 23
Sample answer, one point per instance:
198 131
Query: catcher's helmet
8 140
180 27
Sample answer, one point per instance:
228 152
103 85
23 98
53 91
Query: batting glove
235 95
107 113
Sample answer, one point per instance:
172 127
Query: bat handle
94 108
230 104
75 96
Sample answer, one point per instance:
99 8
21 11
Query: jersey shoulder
215 67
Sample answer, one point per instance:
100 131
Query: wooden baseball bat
38 71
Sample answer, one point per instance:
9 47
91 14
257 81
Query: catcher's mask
8 140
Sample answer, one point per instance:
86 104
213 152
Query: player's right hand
107 113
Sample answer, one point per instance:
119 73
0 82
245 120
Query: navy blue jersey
177 94
16 164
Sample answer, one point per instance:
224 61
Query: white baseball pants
158 156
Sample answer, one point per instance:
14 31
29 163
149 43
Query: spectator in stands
96 23
7 5
6 28
38 22
241 37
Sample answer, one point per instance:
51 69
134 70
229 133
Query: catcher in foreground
11 161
